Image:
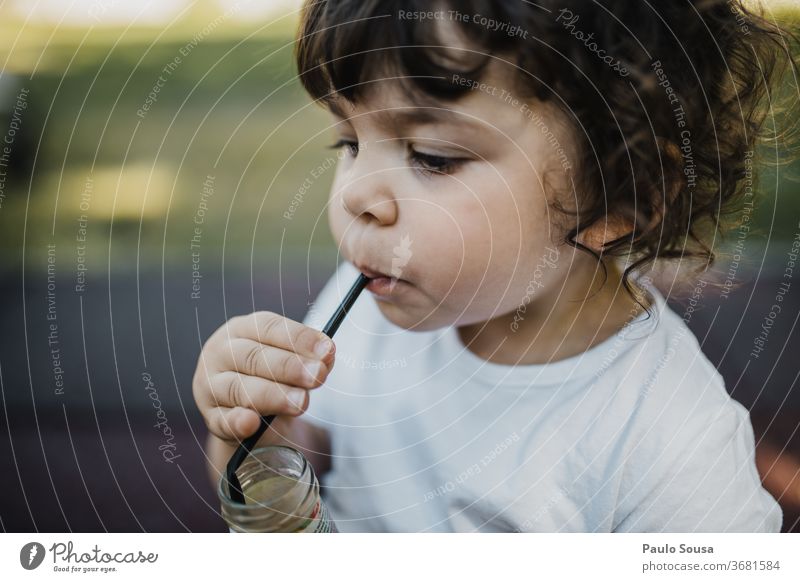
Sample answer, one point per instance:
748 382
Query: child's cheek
338 219
506 247
466 258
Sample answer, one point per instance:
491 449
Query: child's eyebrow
408 117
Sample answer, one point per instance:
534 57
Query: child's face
473 240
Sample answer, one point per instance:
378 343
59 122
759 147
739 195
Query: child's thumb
245 422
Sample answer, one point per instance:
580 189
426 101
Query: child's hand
258 364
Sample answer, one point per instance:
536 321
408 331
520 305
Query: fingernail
296 397
312 371
322 347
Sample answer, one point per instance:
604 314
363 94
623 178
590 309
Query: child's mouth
385 286
381 284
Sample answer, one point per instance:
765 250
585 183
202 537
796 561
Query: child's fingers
255 359
275 330
232 424
231 389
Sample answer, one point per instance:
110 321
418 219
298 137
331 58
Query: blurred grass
230 110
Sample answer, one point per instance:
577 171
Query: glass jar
281 494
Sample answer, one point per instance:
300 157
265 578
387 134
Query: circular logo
31 555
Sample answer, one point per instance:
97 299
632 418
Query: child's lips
380 283
385 286
370 273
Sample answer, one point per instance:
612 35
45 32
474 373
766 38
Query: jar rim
224 490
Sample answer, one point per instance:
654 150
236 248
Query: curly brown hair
668 100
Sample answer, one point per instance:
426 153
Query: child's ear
621 225
603 232
614 227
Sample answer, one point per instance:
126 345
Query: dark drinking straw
244 448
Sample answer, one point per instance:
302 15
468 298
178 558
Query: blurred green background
231 109
228 117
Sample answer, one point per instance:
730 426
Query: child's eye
435 164
350 145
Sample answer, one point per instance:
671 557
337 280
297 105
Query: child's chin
408 318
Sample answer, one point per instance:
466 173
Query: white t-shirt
637 434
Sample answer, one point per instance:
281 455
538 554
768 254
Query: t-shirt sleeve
703 479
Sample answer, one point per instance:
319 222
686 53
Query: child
511 171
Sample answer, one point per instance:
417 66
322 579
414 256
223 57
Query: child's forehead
385 109
400 119
383 93
397 101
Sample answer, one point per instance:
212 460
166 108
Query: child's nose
370 196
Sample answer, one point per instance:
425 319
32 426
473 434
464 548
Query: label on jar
320 521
